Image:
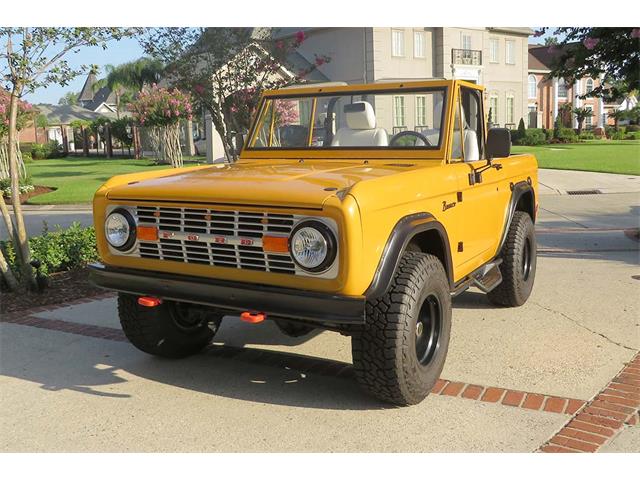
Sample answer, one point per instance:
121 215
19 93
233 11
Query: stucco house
495 57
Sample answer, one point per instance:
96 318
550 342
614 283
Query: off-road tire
384 353
155 331
516 286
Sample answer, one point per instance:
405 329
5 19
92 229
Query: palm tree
581 115
617 115
128 79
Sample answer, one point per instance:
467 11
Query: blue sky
116 53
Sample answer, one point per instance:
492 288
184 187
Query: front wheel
518 267
171 329
400 354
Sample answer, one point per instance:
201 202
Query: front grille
223 238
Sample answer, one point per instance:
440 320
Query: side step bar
486 278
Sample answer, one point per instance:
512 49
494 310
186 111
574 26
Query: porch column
576 102
601 113
209 132
555 101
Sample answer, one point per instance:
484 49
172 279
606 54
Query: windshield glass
378 120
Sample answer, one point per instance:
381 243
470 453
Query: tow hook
149 301
253 317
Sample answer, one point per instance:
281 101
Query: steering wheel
409 133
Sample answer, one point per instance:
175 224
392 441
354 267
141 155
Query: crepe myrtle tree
160 110
591 52
226 69
33 58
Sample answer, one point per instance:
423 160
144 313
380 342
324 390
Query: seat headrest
360 116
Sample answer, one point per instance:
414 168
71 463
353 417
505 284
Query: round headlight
313 246
119 228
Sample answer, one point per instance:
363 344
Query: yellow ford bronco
360 209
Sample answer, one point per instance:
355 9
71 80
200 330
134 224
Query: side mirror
498 143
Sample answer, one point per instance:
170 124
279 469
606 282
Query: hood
301 184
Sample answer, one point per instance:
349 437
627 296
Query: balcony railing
460 56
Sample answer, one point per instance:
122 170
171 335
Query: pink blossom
300 36
199 89
279 44
176 113
635 33
320 61
590 43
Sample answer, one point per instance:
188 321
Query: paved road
257 390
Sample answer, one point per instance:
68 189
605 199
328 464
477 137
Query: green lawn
593 156
77 178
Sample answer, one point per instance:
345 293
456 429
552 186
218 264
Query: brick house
547 96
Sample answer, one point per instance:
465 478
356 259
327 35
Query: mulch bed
37 190
63 287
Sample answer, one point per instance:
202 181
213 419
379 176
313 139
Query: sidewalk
559 182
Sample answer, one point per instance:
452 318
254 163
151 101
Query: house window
589 85
397 43
421 111
562 88
493 108
494 47
533 87
509 114
418 44
399 119
510 52
466 41
588 122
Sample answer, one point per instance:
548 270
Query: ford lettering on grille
223 238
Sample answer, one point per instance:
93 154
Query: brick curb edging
55 306
603 417
507 397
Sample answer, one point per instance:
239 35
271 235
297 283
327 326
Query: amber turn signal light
147 233
275 244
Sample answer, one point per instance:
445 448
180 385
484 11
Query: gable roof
65 114
86 94
104 95
543 57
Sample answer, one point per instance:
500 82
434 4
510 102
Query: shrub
619 135
632 135
633 128
586 136
51 149
532 136
26 157
24 186
63 249
565 135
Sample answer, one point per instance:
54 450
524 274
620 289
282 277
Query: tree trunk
8 274
188 139
107 142
23 242
85 141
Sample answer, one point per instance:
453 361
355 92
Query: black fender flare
403 232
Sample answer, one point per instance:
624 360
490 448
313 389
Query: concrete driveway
561 373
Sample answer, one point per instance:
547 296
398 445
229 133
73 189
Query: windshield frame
426 152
